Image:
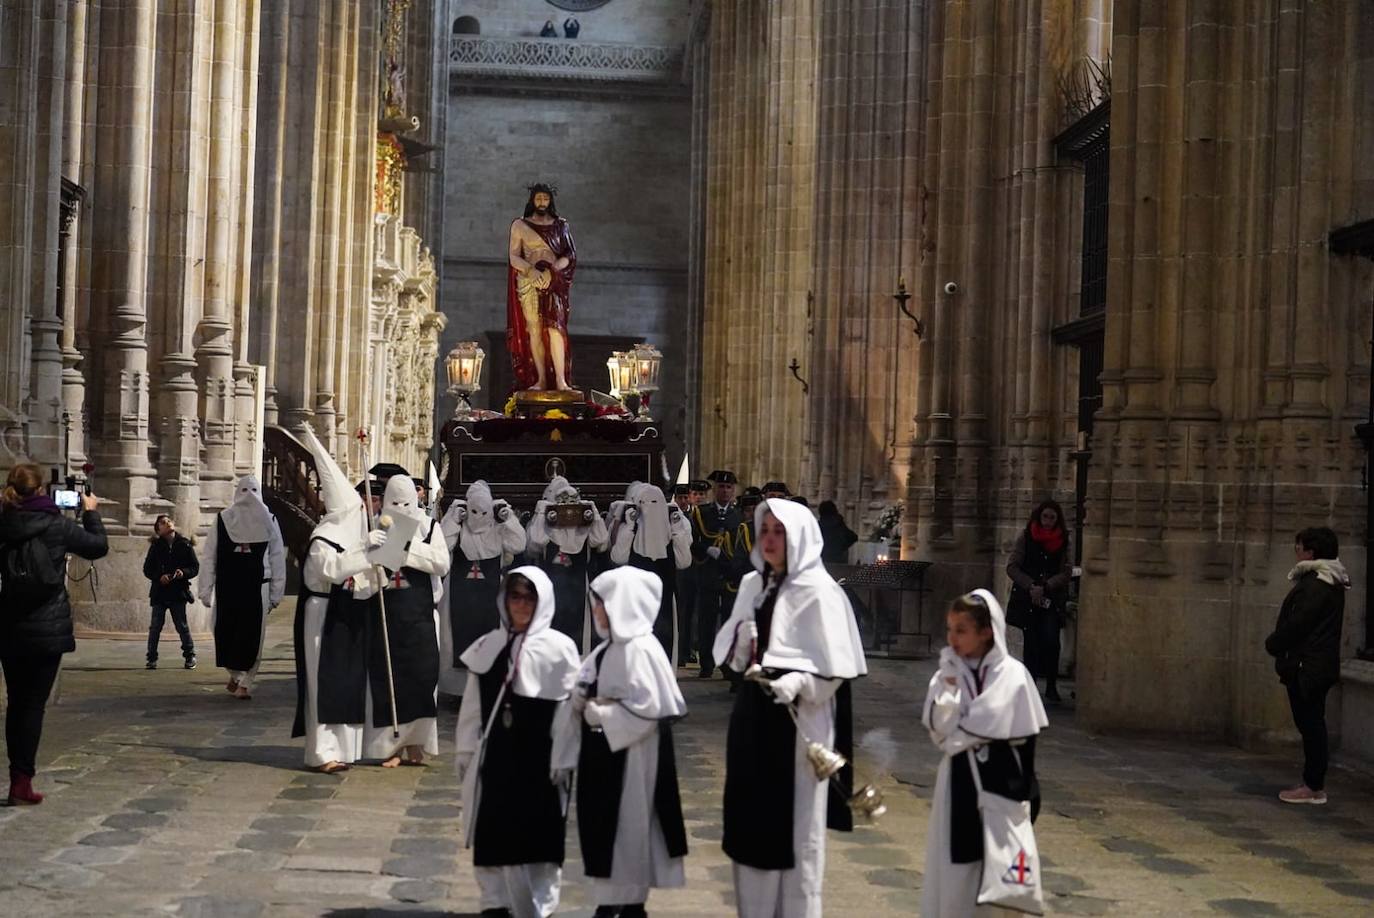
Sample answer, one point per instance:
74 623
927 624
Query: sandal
242 694
232 687
330 768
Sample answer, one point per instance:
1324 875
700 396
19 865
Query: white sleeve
816 690
597 536
205 580
538 534
682 543
451 525
429 554
468 736
624 540
624 729
567 736
513 536
276 560
945 709
337 566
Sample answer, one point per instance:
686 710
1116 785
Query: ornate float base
534 403
518 457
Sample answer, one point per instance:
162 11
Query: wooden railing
291 488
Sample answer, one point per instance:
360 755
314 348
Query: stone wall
226 243
1235 342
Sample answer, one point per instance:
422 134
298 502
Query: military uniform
714 527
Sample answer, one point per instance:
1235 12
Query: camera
500 510
951 288
66 499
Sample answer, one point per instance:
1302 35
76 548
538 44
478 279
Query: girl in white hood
793 619
980 699
617 734
519 675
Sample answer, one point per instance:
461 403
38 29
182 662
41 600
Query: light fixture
464 366
647 361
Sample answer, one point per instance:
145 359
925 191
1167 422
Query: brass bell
868 803
825 762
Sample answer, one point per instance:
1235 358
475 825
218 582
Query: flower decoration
556 414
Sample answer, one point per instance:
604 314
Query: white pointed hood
653 531
1008 705
400 497
345 519
635 671
544 661
247 518
479 536
814 629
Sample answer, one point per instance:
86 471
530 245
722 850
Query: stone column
73 380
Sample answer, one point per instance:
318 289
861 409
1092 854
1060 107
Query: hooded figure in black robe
565 554
519 676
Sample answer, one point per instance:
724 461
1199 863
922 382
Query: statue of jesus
542 261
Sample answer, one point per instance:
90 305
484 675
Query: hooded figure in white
482 535
520 675
409 598
988 704
564 553
334 612
655 536
793 619
243 578
619 724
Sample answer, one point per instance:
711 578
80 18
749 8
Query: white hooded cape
814 630
636 674
959 717
247 518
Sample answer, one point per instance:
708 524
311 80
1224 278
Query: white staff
385 523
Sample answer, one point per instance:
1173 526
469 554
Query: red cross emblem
348 585
242 548
475 572
398 582
1018 874
563 560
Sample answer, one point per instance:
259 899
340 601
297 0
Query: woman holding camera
1040 568
36 625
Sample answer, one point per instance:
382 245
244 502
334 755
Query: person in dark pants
36 624
169 566
714 526
1306 647
1041 568
686 588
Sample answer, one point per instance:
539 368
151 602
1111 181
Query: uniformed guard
714 528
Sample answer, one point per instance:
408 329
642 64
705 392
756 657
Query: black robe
472 589
601 781
568 572
520 817
239 611
341 680
1000 774
414 650
760 761
666 569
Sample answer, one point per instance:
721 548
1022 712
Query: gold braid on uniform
720 539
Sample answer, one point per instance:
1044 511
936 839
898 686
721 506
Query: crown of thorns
542 186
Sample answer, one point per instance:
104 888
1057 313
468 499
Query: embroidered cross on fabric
475 572
243 548
1018 873
563 560
398 582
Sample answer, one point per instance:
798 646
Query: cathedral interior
932 260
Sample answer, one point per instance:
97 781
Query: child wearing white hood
981 699
617 734
793 620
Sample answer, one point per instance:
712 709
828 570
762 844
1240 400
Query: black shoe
633 911
496 913
705 673
191 662
151 664
607 911
1052 695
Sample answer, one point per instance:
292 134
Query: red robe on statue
553 309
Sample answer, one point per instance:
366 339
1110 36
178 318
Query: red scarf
1049 539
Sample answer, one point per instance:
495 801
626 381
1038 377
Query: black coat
163 558
45 627
1306 643
836 538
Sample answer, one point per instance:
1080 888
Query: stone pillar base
114 601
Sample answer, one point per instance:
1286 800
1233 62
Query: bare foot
233 686
242 694
413 755
330 768
392 762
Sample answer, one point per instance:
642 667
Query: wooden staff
381 589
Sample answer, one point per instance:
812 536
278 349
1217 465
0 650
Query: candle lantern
464 366
647 361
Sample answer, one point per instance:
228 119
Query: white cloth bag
1011 860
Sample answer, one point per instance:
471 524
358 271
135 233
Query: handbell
825 761
868 802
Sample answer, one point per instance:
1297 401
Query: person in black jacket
835 534
36 621
1041 570
169 566
1306 647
